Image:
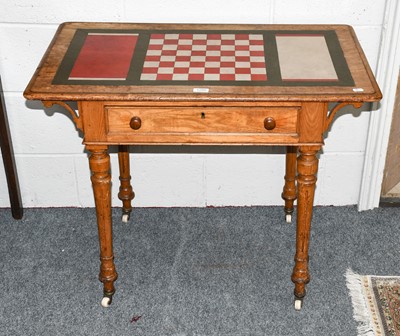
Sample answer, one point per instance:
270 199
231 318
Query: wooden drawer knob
269 123
135 123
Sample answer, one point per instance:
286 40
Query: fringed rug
376 303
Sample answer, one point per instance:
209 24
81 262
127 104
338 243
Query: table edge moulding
202 84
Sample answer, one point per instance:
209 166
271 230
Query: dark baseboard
386 202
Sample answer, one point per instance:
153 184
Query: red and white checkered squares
205 57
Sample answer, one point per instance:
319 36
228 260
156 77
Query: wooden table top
176 62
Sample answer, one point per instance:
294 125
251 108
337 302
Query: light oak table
261 85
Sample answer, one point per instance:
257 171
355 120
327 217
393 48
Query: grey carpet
188 271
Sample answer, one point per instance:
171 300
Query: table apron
230 124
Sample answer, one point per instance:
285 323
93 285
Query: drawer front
184 120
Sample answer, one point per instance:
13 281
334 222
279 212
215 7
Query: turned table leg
289 193
307 167
126 193
99 162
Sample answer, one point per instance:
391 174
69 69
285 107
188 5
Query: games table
183 84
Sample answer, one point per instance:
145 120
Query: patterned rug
376 303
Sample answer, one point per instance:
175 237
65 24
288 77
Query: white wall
52 165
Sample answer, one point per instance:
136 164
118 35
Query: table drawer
184 120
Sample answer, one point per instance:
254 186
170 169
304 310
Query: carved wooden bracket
75 116
332 114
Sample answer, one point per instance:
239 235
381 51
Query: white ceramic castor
125 218
297 304
288 218
106 302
